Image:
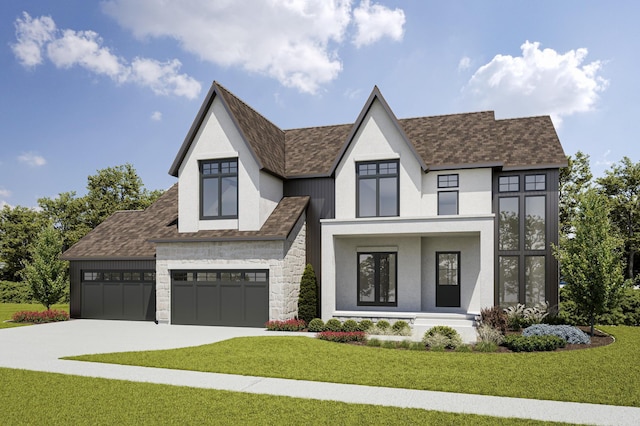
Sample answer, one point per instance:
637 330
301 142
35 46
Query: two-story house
424 219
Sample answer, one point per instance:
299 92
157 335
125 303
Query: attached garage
220 297
119 295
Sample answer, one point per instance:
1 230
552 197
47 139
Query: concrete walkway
22 347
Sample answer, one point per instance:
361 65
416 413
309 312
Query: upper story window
219 189
377 188
534 183
509 184
447 200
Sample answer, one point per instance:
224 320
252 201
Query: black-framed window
214 276
219 189
377 279
448 181
447 202
378 188
509 184
535 183
448 268
118 276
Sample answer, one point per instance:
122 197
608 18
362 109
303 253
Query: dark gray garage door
122 295
233 298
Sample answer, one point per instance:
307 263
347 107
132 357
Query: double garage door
213 297
121 295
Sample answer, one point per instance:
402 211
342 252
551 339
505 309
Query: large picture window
219 189
377 193
377 275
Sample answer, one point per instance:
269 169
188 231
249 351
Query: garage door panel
112 300
132 300
149 301
232 309
208 304
92 300
182 307
255 308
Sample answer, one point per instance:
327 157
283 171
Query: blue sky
90 85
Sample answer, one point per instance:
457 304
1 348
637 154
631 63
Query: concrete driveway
39 348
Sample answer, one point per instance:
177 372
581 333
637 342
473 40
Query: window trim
377 178
535 182
376 255
458 269
509 183
457 203
446 183
219 177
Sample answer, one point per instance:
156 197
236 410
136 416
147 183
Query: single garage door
120 295
232 298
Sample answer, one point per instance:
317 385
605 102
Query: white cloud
465 63
32 159
293 41
156 116
538 82
68 48
375 22
352 93
5 192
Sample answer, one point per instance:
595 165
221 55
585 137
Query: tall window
219 189
377 279
448 272
447 200
378 188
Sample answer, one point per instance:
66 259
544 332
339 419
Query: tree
19 227
115 188
308 298
575 179
46 273
68 215
590 260
622 185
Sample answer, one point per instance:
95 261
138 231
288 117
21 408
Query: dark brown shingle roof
132 234
530 140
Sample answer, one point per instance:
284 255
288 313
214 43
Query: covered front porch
426 271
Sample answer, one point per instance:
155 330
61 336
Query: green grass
604 375
35 398
8 309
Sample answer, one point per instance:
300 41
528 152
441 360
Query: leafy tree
308 298
46 273
622 185
575 179
68 214
115 188
591 262
19 227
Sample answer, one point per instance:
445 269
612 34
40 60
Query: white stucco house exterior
426 219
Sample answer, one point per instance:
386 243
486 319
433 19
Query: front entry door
448 279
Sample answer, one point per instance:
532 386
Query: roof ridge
449 115
318 127
247 105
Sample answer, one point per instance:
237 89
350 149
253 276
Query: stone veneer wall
285 261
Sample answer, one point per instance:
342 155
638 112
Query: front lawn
8 309
603 375
30 397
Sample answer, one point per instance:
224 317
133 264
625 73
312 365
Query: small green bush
488 334
308 297
288 325
442 335
383 325
445 330
365 325
389 344
405 344
515 317
464 348
342 336
486 347
374 342
350 325
416 346
533 343
333 324
401 328
316 325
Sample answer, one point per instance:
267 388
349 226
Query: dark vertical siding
321 206
77 266
553 228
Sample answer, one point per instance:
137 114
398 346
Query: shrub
401 328
405 344
11 292
416 346
333 324
365 325
442 336
342 336
537 313
485 347
533 343
488 334
389 344
308 297
568 333
374 342
40 317
288 325
383 325
350 325
464 348
495 318
515 317
316 325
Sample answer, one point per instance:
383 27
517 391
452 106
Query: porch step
464 324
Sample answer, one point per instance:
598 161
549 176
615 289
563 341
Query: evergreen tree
308 298
46 274
591 260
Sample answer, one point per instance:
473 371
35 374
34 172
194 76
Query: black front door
448 279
